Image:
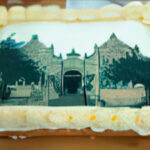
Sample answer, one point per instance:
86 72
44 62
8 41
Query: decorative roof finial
52 47
136 48
95 47
85 56
60 56
73 53
35 37
113 36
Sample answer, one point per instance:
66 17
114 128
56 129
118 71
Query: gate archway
72 82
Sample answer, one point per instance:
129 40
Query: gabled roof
113 44
34 45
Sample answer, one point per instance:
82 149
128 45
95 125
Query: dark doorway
72 82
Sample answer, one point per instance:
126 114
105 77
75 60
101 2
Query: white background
81 36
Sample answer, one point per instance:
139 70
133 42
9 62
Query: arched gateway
72 82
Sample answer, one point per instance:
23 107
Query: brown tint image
31 74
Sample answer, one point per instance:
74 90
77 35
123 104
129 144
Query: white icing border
98 119
25 118
132 11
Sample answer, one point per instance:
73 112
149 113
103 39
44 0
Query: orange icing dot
114 118
137 119
93 117
70 118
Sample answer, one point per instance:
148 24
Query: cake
75 72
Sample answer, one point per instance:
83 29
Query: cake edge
25 119
68 132
132 11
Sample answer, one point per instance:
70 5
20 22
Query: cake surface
94 61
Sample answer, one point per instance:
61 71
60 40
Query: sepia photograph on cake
75 64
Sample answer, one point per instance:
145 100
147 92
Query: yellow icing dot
120 123
137 119
93 117
70 118
141 18
114 118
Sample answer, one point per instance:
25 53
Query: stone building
113 49
74 75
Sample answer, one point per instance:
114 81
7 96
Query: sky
81 36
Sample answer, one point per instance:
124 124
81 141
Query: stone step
68 100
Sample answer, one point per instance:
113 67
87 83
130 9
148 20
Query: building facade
75 75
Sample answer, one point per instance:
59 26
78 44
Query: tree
134 67
14 64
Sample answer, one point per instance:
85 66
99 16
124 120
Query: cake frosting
98 119
131 11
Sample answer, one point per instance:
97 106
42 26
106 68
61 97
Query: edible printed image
105 64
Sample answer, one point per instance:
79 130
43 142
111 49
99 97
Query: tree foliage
14 64
134 67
